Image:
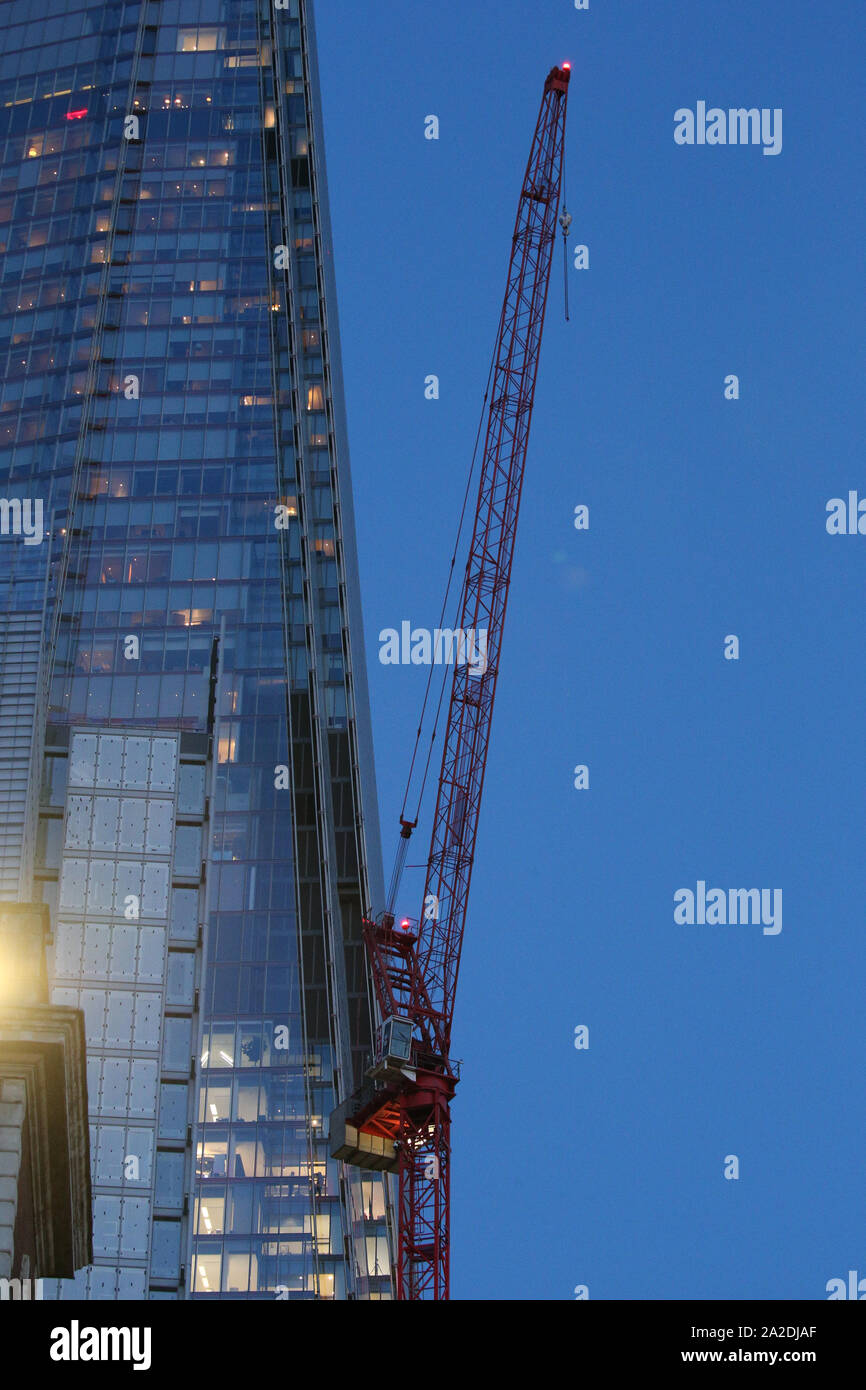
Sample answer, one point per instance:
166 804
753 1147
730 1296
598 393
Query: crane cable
565 223
407 825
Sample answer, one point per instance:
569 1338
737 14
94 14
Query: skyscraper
185 758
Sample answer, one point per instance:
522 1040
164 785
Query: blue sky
707 517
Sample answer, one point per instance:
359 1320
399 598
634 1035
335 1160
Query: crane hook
565 223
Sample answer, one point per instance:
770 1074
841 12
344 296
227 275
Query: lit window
211 1213
200 40
378 1255
315 398
112 571
251 60
228 744
207 1273
215 1103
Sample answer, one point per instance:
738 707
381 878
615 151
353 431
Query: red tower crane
400 1120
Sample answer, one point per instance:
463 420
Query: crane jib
400 1120
485 592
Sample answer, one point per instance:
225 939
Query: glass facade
189 757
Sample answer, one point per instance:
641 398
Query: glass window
172 1111
210 1215
163 757
100 885
373 1197
187 850
127 889
247 1105
184 913
213 1159
57 769
190 796
124 941
106 1225
82 764
378 1255
165 1250
159 825
200 40
78 816
135 1220
240 1272
154 890
180 981
255 1048
96 942
207 1271
151 954
138 1157
106 812
177 1042
132 817
247 1159
109 760
169 1180
142 1087
215 1102
241 1201
219 1046
135 764
148 1012
108 1144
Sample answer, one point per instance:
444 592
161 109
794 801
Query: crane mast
400 1120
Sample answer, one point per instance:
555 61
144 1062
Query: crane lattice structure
400 1121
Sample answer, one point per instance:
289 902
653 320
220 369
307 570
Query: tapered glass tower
186 771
